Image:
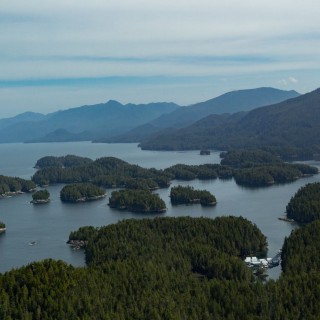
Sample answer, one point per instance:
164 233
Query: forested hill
292 123
230 102
81 123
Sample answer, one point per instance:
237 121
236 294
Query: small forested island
188 195
40 197
2 227
304 206
14 185
81 192
136 200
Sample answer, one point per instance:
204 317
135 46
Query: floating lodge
254 262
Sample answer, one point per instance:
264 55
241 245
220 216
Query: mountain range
115 122
294 123
230 102
82 123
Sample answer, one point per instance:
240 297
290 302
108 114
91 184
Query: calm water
50 225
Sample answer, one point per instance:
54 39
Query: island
250 168
2 227
12 186
41 197
304 206
107 172
81 192
188 195
137 200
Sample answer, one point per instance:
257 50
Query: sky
66 53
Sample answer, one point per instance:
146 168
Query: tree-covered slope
292 123
169 268
230 102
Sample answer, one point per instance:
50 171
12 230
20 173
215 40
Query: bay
49 225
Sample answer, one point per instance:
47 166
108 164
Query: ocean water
49 225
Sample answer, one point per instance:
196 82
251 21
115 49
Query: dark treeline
248 158
256 168
188 195
137 200
2 225
169 268
251 168
106 172
60 162
81 192
10 184
304 206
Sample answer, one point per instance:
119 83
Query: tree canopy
137 200
169 268
304 206
188 195
81 192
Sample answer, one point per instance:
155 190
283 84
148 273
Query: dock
254 262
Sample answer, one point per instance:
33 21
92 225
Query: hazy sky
66 53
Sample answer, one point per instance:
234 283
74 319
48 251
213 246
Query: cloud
51 41
282 82
293 80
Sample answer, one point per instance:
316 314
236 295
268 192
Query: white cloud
293 80
42 39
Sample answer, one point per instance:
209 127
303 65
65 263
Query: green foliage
81 192
60 162
300 251
269 174
83 233
291 126
190 172
169 268
41 195
253 168
2 225
187 195
137 200
248 158
105 172
304 206
10 184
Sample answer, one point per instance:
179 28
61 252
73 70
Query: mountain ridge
291 123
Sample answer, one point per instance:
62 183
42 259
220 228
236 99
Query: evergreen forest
137 200
188 195
169 268
304 206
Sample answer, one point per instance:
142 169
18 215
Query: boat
32 243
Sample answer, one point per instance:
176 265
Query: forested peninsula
169 268
304 206
14 185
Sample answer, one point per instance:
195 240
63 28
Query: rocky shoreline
77 244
